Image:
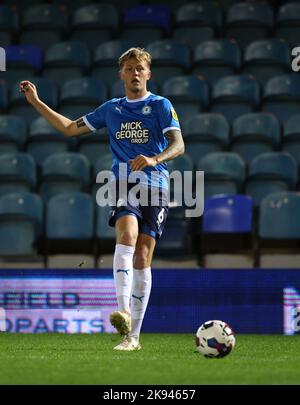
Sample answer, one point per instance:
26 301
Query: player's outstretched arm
58 121
174 149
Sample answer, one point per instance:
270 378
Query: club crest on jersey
146 110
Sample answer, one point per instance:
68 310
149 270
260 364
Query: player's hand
141 161
29 90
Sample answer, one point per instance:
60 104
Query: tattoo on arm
80 123
175 148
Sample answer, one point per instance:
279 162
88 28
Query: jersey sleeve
167 116
97 118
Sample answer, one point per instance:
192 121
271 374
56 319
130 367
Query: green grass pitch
164 359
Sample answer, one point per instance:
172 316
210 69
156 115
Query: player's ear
149 74
120 75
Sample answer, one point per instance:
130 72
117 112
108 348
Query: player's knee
142 258
127 238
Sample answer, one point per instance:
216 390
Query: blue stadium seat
21 224
69 223
249 21
279 223
182 163
282 96
254 134
64 172
193 36
152 15
176 240
291 137
3 96
169 58
43 25
288 23
207 14
205 133
232 214
189 94
17 173
224 173
216 59
235 95
13 133
94 145
105 57
227 224
81 96
22 61
270 172
44 141
267 58
141 36
105 234
94 24
118 91
9 20
18 105
66 60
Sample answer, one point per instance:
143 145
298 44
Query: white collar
139 99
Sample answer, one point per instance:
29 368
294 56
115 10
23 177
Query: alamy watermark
2 60
296 320
179 189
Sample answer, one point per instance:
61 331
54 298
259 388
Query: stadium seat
18 105
279 222
94 145
3 96
9 21
249 21
105 234
288 23
64 172
176 240
145 16
282 96
118 91
12 133
227 224
189 94
44 141
254 134
205 133
103 163
142 36
224 173
270 172
21 224
69 223
22 61
94 24
169 58
17 173
207 14
66 60
193 36
267 58
81 96
216 59
105 57
291 137
235 95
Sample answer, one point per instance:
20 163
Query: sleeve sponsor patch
174 114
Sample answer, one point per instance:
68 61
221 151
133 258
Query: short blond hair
135 53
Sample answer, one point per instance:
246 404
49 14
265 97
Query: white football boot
121 321
128 344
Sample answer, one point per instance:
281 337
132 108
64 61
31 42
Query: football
215 339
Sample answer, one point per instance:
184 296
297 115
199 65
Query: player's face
135 74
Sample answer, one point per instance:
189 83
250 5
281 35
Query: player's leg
142 281
126 228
